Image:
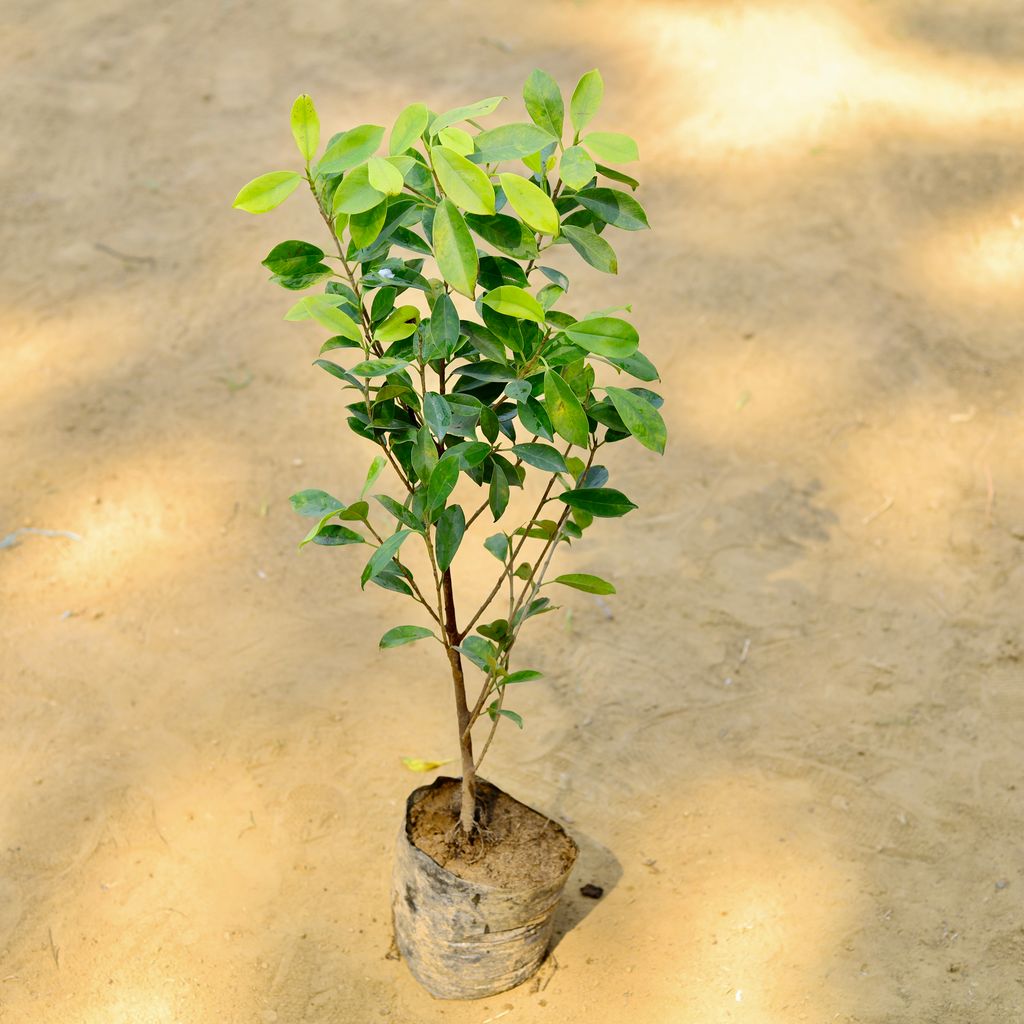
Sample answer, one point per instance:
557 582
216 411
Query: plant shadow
596 866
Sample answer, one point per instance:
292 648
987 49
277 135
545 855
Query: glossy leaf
498 546
454 249
325 312
315 503
592 247
576 168
494 711
403 635
267 191
541 456
614 207
293 258
514 302
511 142
365 227
378 464
613 147
410 124
642 420
604 502
498 494
450 528
355 194
382 557
424 453
438 414
444 326
543 101
379 367
530 202
384 176
405 516
400 323
605 336
463 182
506 234
586 99
564 409
305 127
443 479
350 149
470 112
456 139
585 582
332 536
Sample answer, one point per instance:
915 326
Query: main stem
467 813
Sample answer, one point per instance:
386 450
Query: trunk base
476 921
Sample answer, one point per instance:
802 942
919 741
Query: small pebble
592 892
1002 884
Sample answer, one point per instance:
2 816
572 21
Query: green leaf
400 512
518 390
481 652
378 464
585 582
382 557
511 142
609 172
324 311
541 456
498 494
357 511
350 149
457 139
400 324
336 371
498 546
513 301
424 454
614 147
404 635
468 453
267 191
454 249
409 126
384 176
438 414
530 202
463 182
642 420
494 711
576 168
315 503
333 536
379 367
543 101
614 207
507 234
592 247
524 675
535 418
604 502
291 259
355 194
471 112
586 99
639 366
366 227
305 127
564 409
605 336
451 525
443 479
444 327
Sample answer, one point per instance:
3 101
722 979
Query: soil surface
789 747
516 849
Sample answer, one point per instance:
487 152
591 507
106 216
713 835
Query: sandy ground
790 747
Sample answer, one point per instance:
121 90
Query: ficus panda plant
467 371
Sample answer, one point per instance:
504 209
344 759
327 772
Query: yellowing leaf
416 764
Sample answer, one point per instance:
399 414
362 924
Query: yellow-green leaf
351 148
416 764
323 310
355 194
514 301
267 191
456 138
305 127
409 126
384 176
576 168
612 147
463 182
564 409
400 324
586 99
531 203
454 249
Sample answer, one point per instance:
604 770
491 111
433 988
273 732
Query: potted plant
473 381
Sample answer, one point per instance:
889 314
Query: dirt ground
790 748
